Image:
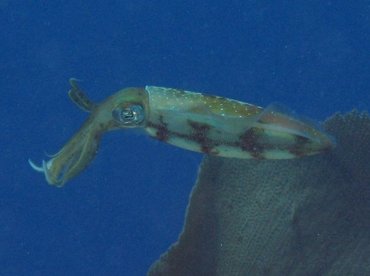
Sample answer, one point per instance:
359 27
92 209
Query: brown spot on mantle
200 135
299 147
162 133
249 142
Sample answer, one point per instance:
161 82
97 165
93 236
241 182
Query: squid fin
279 118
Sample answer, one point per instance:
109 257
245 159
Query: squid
194 121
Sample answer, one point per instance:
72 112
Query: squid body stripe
236 149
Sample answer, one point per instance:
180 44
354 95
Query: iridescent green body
194 121
198 122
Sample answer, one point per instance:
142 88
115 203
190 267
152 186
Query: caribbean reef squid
194 121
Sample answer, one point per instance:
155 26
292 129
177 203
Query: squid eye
131 115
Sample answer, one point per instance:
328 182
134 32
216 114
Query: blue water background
120 214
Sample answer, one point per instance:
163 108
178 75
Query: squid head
125 109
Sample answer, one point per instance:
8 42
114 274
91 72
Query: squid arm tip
44 169
35 167
73 81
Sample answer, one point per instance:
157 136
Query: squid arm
193 121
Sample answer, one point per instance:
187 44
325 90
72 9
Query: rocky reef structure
308 216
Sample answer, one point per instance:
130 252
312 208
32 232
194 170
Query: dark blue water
119 215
